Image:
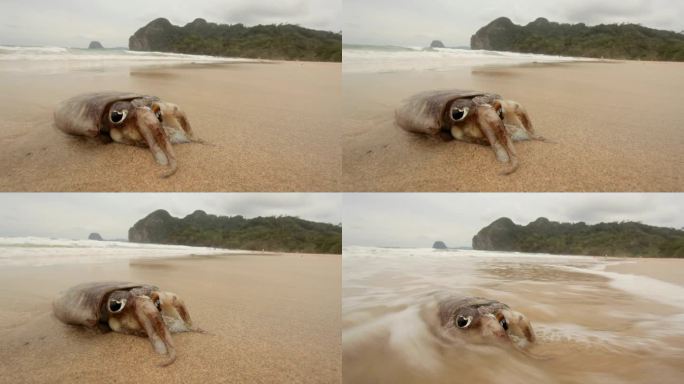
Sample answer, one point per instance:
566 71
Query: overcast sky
418 22
417 220
76 215
74 23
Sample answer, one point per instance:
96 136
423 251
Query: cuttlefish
127 118
129 308
470 116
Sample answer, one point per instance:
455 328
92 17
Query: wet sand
588 331
269 127
669 270
615 127
269 319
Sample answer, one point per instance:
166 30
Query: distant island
436 44
95 45
604 239
614 41
95 236
278 234
276 42
439 245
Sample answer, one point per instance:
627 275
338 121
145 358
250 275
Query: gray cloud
415 23
416 220
75 215
74 23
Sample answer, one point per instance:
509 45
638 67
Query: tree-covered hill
276 42
278 234
603 239
614 41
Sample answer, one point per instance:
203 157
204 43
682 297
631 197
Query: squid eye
462 321
116 306
157 304
158 114
458 114
117 117
504 324
500 112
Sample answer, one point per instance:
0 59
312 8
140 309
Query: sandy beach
269 318
621 325
669 270
268 127
615 126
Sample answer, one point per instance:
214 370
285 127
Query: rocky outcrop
154 228
281 42
499 236
436 44
95 236
283 233
603 239
95 45
439 245
617 41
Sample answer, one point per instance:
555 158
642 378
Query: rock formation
603 239
439 245
436 44
280 42
283 233
616 41
95 236
95 45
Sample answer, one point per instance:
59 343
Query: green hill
278 234
603 239
614 41
276 42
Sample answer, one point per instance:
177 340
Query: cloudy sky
417 220
417 22
76 215
74 23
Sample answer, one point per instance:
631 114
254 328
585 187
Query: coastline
268 318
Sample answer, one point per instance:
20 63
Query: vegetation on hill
278 234
277 42
615 41
603 239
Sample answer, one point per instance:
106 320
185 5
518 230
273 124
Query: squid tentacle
151 130
151 320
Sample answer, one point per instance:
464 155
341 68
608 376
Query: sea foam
38 251
377 59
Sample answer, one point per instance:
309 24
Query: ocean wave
59 59
371 59
38 251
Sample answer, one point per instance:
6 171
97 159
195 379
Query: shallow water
54 60
592 326
377 59
39 251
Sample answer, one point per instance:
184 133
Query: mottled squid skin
486 318
129 308
127 118
470 116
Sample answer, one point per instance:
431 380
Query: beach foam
37 251
371 59
59 59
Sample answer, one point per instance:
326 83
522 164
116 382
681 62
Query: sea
40 251
378 59
60 59
592 325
